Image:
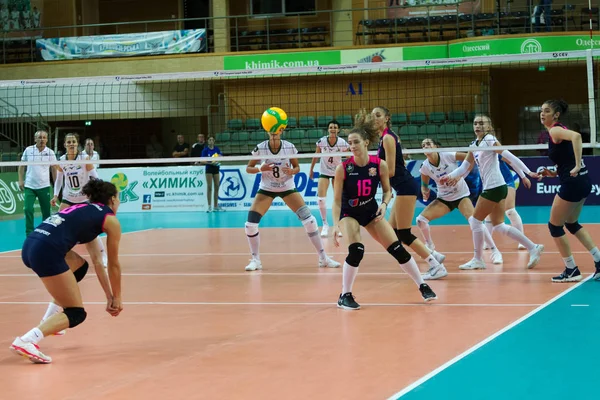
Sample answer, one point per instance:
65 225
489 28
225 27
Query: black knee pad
405 236
254 217
81 271
399 252
76 315
356 251
573 227
556 231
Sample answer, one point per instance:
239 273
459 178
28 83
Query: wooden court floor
197 326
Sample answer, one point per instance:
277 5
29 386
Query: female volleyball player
355 186
564 149
404 184
436 166
327 144
75 176
213 174
277 180
48 252
493 198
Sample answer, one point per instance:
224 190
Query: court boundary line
334 272
287 303
482 343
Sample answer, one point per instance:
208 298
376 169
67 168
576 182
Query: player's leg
356 251
433 211
387 238
466 209
209 190
322 186
259 207
296 203
573 226
512 214
560 211
216 177
483 208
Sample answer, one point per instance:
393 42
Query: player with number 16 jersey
360 186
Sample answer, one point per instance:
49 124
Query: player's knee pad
303 213
251 229
475 224
510 212
399 252
81 271
356 251
422 221
322 201
573 227
76 315
311 226
556 231
254 217
405 236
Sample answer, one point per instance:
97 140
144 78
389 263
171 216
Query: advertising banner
282 60
523 45
542 193
393 54
11 197
124 45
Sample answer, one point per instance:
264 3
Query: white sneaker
437 272
329 263
209 210
496 257
325 231
473 264
521 247
534 255
486 247
254 265
438 256
30 351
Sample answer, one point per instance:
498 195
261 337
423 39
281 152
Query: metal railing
361 26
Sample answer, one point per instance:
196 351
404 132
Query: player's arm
425 191
519 166
295 167
389 144
312 164
58 183
93 249
384 176
459 156
558 133
336 209
112 227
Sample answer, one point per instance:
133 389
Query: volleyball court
196 324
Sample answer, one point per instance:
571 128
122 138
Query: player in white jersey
75 177
436 166
327 165
277 180
493 198
89 151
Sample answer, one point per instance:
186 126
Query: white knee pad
311 226
421 220
475 224
251 229
510 212
322 201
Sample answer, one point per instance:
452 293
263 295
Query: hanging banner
125 45
426 8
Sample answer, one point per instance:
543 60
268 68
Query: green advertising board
393 54
281 60
520 45
11 197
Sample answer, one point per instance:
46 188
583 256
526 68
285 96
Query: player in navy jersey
565 151
48 252
354 205
406 188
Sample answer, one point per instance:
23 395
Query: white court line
329 272
483 342
212 303
580 305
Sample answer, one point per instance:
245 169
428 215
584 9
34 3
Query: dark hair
364 125
99 191
386 112
333 121
559 106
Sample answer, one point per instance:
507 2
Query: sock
423 224
478 237
253 239
412 270
52 309
488 240
348 275
312 230
595 253
323 209
33 336
570 262
432 261
488 224
515 219
514 234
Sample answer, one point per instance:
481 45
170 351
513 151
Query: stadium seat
224 137
399 119
418 118
235 124
456 116
307 122
315 134
257 137
430 131
447 132
295 135
322 121
345 121
253 124
409 130
292 122
437 117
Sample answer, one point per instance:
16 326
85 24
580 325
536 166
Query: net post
589 60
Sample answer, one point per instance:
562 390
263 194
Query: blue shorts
363 214
408 187
43 258
575 189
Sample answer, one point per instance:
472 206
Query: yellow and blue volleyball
274 120
120 181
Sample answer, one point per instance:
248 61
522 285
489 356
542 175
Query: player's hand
21 185
450 181
381 212
114 306
266 167
53 201
287 170
336 232
575 170
534 175
425 191
526 182
548 173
